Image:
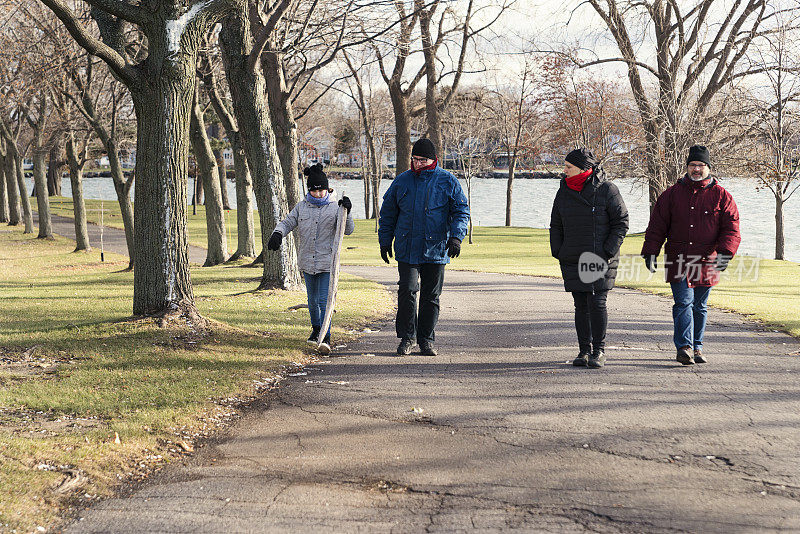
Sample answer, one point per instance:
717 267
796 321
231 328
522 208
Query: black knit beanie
424 149
582 158
699 153
316 178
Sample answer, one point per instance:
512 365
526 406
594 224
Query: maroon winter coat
698 222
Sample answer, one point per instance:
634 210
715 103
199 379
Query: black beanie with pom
317 179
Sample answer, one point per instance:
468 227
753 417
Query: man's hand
650 262
453 247
346 204
275 241
386 253
722 261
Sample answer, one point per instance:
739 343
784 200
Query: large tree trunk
512 165
54 170
19 171
4 214
282 115
780 240
40 184
78 206
248 91
216 133
402 125
246 245
12 190
161 280
217 250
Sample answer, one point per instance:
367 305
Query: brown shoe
685 356
698 356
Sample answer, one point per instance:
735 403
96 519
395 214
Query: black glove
453 247
386 253
346 204
722 261
275 241
650 262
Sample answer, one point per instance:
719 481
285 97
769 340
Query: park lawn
76 370
773 296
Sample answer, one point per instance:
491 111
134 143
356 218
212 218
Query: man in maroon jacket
700 222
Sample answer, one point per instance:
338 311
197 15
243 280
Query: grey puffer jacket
316 229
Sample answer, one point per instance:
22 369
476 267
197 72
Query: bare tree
100 99
763 137
249 98
516 108
216 240
466 136
161 80
696 50
244 183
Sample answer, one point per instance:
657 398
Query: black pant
591 319
426 278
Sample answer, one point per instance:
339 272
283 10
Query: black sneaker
312 339
684 356
698 356
405 346
325 346
597 359
426 349
582 360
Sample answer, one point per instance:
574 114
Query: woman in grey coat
315 220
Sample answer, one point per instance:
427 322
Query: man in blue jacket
426 214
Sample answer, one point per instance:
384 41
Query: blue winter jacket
420 212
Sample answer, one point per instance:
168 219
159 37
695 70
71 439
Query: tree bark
54 170
40 183
78 206
512 164
161 280
284 124
780 239
4 212
12 190
223 168
19 171
248 91
244 183
402 125
217 249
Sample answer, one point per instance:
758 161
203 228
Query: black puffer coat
592 220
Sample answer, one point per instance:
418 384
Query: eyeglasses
697 165
418 159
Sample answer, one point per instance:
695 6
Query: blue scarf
319 202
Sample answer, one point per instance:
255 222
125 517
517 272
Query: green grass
92 373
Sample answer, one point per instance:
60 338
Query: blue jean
689 314
317 292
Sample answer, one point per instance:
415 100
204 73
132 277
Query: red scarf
577 182
428 168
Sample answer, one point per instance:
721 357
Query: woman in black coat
587 226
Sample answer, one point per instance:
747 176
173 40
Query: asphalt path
499 432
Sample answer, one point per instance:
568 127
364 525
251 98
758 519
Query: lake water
532 200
